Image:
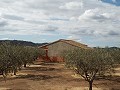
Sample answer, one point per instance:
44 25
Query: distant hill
24 43
108 48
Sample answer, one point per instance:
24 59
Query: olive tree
115 53
89 63
30 54
10 59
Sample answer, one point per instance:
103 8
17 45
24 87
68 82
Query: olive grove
12 57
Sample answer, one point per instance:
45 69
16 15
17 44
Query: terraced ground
54 76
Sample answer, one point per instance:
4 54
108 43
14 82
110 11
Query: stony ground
54 76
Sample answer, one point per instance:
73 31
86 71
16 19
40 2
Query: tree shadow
32 77
114 78
45 64
36 77
42 69
110 78
76 80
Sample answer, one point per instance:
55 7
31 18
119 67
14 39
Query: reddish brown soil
53 76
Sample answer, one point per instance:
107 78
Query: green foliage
115 53
9 61
89 62
29 54
12 57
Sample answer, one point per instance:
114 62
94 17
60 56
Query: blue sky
113 2
92 22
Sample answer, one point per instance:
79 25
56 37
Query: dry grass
54 76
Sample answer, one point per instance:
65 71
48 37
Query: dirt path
53 76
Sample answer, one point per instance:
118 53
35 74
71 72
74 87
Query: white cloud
73 37
3 22
96 15
114 1
73 19
72 5
61 17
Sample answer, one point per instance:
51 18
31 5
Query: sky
92 22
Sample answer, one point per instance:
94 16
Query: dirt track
53 76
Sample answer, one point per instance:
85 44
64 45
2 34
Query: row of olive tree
12 57
90 63
115 53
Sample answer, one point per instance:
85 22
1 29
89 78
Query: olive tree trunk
24 64
90 85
